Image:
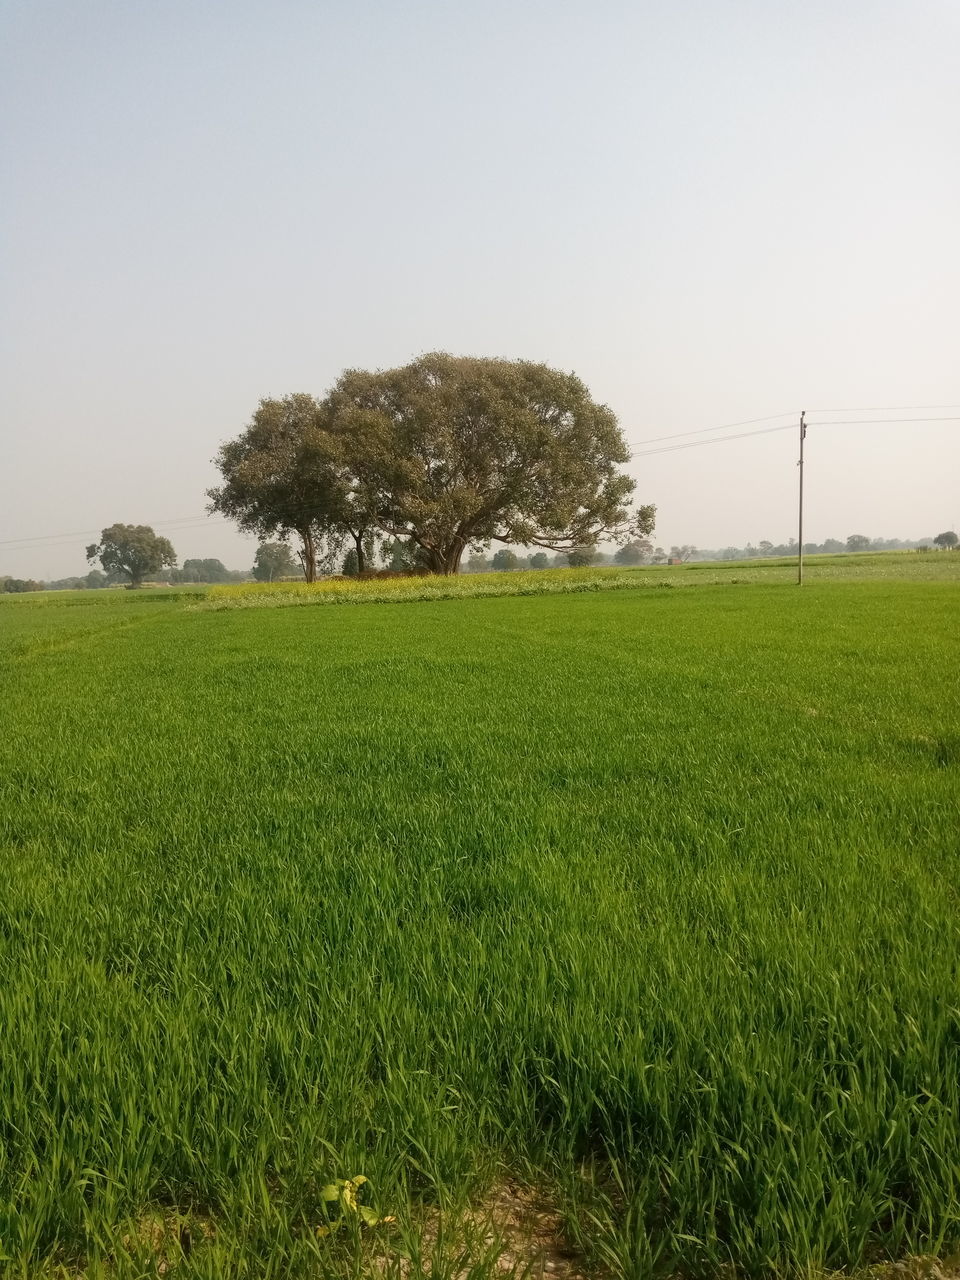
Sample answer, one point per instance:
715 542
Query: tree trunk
358 543
446 560
308 557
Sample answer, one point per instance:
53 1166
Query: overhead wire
741 435
795 413
696 444
81 533
727 426
187 524
887 408
865 422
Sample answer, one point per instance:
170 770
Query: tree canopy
459 451
133 550
287 473
445 453
274 483
947 541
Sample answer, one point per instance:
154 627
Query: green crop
646 897
932 566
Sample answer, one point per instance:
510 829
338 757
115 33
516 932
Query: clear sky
711 210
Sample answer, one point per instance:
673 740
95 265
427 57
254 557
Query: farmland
645 898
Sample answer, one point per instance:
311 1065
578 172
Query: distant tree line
643 552
213 571
129 555
88 581
275 561
506 560
832 546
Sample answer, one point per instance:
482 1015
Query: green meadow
644 898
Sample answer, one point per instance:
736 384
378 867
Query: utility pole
803 436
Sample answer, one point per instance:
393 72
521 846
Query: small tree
540 560
351 564
505 560
273 560
132 550
858 542
210 570
403 555
478 563
636 552
947 541
581 557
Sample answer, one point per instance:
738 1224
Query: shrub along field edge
936 566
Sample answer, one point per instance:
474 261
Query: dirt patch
531 1233
167 1238
924 1268
514 1231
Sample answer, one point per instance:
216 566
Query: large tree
453 452
133 550
947 541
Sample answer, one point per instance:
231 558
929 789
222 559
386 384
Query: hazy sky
711 210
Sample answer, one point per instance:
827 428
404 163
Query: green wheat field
646 898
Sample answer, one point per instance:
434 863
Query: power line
887 408
792 413
742 435
728 426
697 444
865 422
181 524
188 524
